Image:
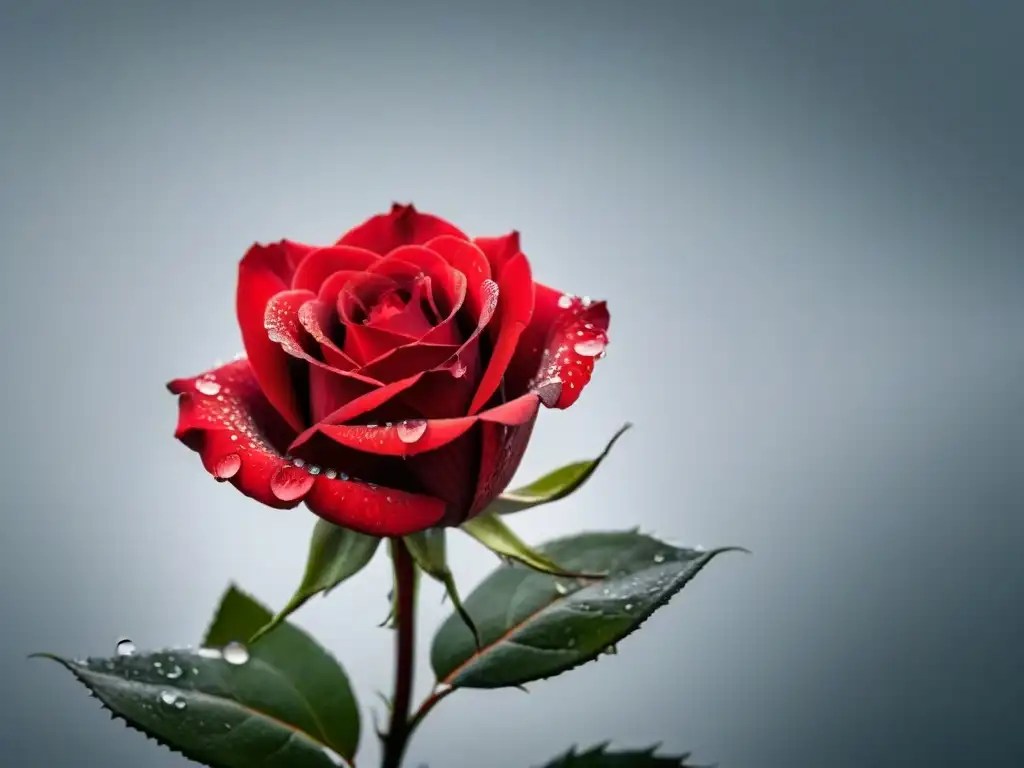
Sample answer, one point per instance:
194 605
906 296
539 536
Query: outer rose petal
225 418
262 274
576 341
499 250
403 225
502 450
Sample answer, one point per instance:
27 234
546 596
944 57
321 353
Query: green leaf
491 531
428 548
533 625
299 659
213 712
553 486
335 554
599 757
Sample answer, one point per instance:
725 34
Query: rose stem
405 639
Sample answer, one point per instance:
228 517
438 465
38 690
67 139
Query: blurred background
807 218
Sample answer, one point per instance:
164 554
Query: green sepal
428 548
554 485
490 530
335 554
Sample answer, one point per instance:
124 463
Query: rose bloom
390 381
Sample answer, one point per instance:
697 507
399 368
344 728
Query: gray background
807 218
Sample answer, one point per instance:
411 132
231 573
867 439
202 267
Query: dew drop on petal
235 653
227 466
313 469
549 391
458 369
207 387
124 647
590 347
565 300
330 474
412 430
290 483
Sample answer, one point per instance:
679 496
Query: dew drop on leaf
659 558
209 653
412 430
235 653
124 647
174 672
172 699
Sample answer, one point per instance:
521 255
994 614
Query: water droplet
124 647
565 300
628 607
412 430
333 756
207 387
298 463
560 588
458 369
157 664
290 483
227 466
171 699
610 650
587 301
313 469
589 348
442 688
174 672
330 474
659 558
235 653
209 653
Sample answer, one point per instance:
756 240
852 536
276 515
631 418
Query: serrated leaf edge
72 667
601 749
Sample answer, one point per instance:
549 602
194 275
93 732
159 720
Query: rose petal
470 261
502 449
324 262
403 225
224 416
499 250
575 341
408 359
354 408
319 320
411 438
515 308
371 509
261 276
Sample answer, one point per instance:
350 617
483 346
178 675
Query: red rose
391 381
